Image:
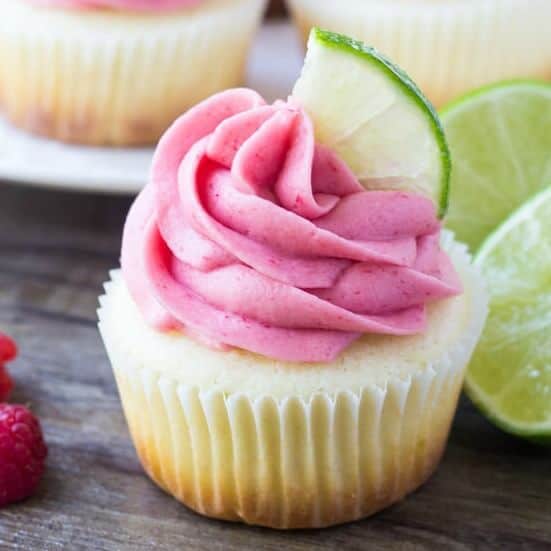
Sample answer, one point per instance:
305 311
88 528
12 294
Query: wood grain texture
491 492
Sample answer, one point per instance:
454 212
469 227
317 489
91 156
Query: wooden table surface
491 491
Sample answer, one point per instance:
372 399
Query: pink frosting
251 235
128 5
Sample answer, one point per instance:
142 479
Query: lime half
509 377
374 117
500 142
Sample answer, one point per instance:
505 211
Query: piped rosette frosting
251 235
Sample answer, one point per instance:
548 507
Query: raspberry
8 349
22 453
6 384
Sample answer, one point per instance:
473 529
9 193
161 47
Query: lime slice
374 117
500 140
510 374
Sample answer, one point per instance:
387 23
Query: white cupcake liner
291 463
447 47
118 78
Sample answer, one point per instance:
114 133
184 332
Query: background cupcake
447 46
118 72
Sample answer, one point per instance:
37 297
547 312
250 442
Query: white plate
275 63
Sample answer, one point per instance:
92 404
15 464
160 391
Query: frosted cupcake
289 346
118 72
448 46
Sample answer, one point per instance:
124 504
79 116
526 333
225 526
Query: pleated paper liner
309 458
104 77
293 463
447 47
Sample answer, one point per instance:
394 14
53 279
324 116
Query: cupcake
448 46
289 345
118 72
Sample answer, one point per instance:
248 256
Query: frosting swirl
128 5
251 235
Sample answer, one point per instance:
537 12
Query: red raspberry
8 349
22 453
6 384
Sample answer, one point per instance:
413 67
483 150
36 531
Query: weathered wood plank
491 492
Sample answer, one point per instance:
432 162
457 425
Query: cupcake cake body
235 436
289 347
447 46
118 72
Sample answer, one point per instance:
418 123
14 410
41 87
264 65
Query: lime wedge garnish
500 141
510 374
374 117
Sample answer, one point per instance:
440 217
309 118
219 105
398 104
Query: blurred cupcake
447 46
280 361
118 72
